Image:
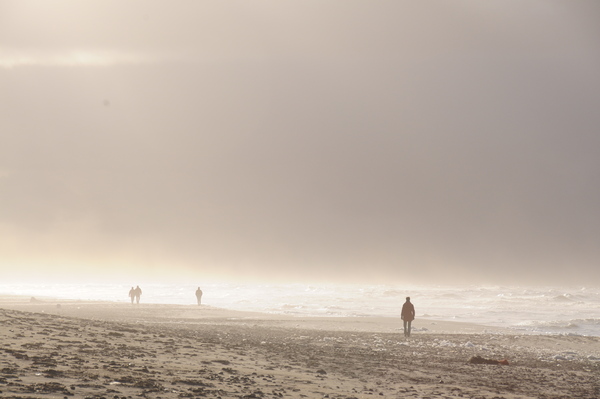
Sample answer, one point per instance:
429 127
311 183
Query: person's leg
409 323
405 325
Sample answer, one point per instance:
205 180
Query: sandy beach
52 349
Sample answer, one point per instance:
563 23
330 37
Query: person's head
407 299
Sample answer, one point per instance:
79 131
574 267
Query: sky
345 141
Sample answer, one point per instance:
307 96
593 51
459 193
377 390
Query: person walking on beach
408 315
138 293
132 294
199 295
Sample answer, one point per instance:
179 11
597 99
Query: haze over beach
344 141
309 164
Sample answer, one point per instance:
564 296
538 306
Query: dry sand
117 350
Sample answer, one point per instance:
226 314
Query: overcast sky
352 141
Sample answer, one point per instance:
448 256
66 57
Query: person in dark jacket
132 294
407 315
137 293
199 295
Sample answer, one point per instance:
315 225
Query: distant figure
138 293
408 315
132 294
199 295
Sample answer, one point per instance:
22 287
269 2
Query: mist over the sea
547 310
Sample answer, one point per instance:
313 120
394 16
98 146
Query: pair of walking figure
407 315
135 293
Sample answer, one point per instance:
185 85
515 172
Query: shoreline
525 309
114 350
124 311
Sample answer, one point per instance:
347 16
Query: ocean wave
588 326
393 293
588 321
451 295
287 306
563 298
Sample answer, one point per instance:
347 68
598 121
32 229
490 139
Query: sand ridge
108 350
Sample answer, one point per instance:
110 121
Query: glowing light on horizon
76 58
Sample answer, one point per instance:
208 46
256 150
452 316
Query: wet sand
117 350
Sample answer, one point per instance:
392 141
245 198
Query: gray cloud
377 142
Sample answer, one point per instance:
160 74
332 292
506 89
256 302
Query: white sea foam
544 310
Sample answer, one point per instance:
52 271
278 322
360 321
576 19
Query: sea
543 310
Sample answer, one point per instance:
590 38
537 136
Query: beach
94 349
